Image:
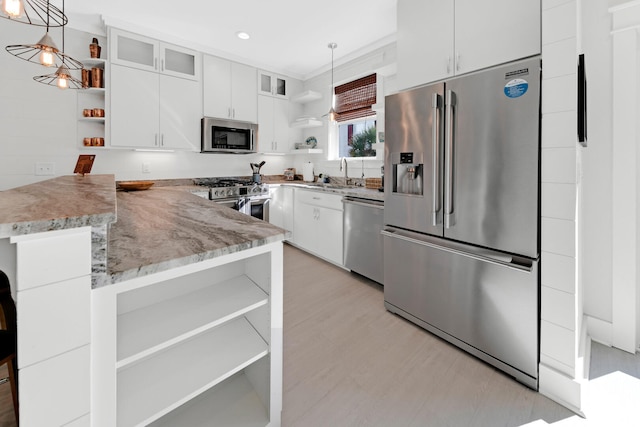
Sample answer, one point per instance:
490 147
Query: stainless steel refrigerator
462 205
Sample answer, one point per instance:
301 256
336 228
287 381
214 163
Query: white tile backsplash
558 343
560 58
559 129
559 23
559 94
559 165
558 307
559 201
558 272
558 236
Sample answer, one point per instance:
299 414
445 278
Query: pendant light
62 77
33 12
45 51
332 113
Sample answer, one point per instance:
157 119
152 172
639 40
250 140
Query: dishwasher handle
368 203
486 255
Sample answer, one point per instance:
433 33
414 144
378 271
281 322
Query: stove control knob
230 192
215 193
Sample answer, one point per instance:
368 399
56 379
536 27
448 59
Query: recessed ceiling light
242 35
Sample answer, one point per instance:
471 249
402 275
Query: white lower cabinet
318 224
281 207
198 345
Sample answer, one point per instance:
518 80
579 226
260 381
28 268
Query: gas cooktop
233 188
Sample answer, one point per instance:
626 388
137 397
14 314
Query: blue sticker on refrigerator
516 88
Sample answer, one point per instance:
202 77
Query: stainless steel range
244 196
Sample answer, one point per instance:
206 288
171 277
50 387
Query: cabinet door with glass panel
144 53
272 84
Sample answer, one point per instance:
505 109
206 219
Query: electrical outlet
146 167
45 168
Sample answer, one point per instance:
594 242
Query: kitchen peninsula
143 307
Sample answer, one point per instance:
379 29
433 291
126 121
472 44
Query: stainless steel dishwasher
363 246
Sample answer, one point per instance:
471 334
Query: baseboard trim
599 330
561 388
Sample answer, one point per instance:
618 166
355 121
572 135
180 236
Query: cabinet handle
162 65
449 64
229 112
162 140
233 111
458 61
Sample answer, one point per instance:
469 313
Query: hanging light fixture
62 77
33 12
43 52
332 113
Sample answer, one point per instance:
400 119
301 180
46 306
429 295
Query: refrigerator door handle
449 216
435 147
485 255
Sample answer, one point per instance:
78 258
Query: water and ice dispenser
407 173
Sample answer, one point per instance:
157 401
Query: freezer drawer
485 302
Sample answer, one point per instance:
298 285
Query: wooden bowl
135 185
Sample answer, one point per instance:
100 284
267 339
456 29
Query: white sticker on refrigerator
516 88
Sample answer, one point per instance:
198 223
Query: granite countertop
150 231
343 190
58 204
167 227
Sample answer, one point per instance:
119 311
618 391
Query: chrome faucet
343 167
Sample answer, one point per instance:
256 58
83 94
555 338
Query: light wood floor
349 362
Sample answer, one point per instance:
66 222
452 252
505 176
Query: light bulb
12 8
46 57
62 82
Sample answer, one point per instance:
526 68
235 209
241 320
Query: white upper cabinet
144 53
134 108
230 90
443 38
150 110
272 84
273 125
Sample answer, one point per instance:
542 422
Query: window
356 118
355 138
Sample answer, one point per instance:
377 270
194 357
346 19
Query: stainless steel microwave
228 136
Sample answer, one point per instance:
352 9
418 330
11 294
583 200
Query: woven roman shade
354 99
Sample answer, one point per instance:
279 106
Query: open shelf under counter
150 329
232 403
156 386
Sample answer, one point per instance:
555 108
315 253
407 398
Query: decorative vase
95 48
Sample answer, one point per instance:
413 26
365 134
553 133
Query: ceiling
287 36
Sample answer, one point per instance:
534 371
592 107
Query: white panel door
425 41
329 239
244 93
281 125
216 87
134 107
494 32
180 113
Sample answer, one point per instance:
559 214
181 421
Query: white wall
597 163
381 61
